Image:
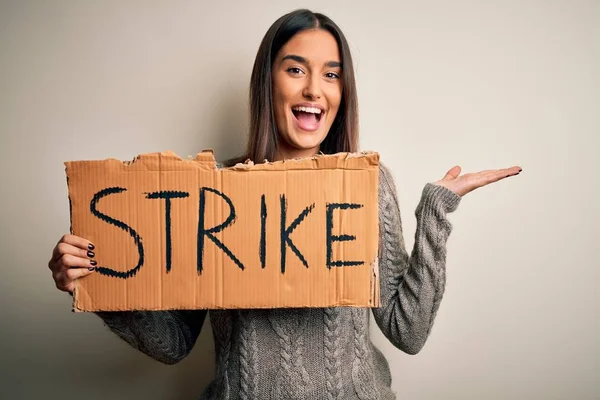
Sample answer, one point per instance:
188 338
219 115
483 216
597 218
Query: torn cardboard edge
205 158
97 292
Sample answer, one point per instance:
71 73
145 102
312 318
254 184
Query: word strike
205 232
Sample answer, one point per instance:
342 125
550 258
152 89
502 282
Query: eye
332 75
294 70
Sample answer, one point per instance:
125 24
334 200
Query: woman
303 101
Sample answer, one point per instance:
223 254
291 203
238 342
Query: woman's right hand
72 258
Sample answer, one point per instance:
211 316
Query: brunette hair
263 138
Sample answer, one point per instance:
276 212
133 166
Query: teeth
313 110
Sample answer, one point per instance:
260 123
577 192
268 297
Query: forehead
316 45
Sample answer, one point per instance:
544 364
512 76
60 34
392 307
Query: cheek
279 110
281 92
334 109
335 98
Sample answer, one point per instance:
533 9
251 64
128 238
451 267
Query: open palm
466 183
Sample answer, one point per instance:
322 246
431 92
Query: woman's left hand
466 183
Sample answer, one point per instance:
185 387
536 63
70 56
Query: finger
75 241
70 261
491 176
64 248
452 173
504 173
514 170
76 273
62 282
65 281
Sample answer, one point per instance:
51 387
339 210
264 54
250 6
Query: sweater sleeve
166 336
412 287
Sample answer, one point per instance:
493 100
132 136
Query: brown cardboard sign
172 233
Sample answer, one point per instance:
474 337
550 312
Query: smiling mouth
307 118
307 113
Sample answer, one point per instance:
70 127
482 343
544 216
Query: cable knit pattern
292 381
222 327
317 353
362 368
333 350
248 355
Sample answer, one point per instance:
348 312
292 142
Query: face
307 91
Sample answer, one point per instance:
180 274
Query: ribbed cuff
440 197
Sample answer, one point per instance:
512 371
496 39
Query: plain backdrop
480 84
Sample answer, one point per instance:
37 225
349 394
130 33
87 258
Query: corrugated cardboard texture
181 234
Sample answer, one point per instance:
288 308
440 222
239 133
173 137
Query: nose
312 90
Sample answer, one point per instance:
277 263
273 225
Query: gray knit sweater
316 353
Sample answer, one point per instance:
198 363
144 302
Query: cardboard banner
172 233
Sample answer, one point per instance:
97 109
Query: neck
286 153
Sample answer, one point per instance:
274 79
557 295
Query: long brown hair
263 139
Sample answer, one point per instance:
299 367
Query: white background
482 84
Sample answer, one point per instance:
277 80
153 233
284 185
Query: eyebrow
302 60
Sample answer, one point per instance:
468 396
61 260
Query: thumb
452 173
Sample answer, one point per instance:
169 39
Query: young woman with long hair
303 102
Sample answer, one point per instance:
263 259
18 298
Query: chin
307 141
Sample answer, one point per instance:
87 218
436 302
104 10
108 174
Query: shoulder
384 171
387 186
386 179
